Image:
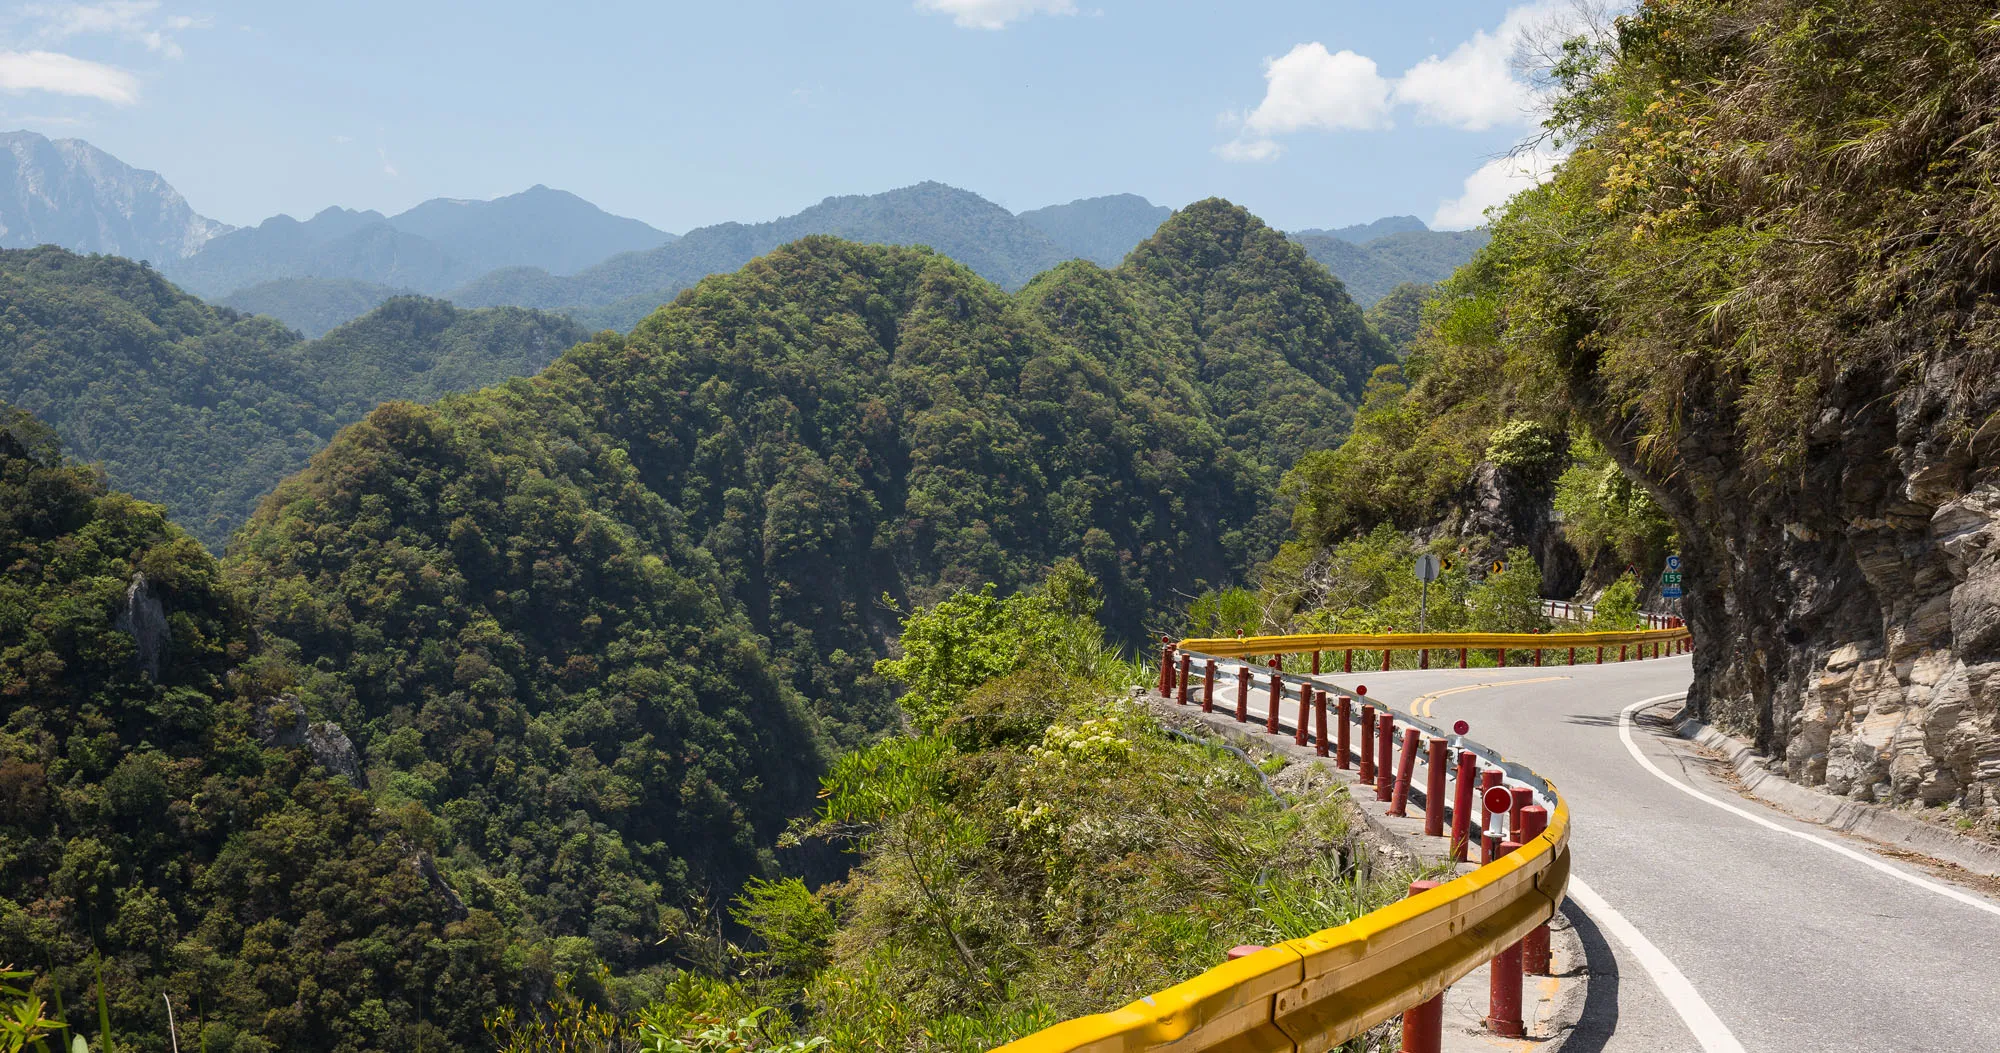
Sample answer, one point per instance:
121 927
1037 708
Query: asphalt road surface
1710 925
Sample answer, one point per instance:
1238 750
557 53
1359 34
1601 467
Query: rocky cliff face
1849 618
69 193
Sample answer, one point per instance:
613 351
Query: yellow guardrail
1312 994
1238 647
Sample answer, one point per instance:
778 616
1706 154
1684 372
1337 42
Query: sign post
1427 569
1670 582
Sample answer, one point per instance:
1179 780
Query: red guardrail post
1523 797
1278 662
1187 664
1423 1024
1538 658
1367 771
1347 664
1424 658
1503 657
1488 779
1535 945
1621 652
1461 658
1319 725
1406 768
1461 803
1341 746
1242 694
1503 1001
1385 659
1385 754
1277 697
1434 788
1208 686
1315 663
1166 664
1572 656
1305 714
1600 654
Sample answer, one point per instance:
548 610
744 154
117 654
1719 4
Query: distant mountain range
552 250
431 248
68 193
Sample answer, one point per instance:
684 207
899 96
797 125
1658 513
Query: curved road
1709 921
1790 945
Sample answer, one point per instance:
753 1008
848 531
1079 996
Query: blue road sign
1671 592
1673 563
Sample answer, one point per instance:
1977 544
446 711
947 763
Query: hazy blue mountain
336 243
1371 269
1362 233
68 193
311 305
433 247
618 292
1100 229
551 229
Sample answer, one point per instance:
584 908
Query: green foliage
794 927
22 1023
1399 315
202 409
1510 601
156 836
1525 447
1604 513
1617 608
1225 612
746 1035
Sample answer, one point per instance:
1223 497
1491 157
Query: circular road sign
1499 799
1428 568
1460 727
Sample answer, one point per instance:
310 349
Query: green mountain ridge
202 408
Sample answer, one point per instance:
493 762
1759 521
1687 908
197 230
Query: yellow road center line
1426 705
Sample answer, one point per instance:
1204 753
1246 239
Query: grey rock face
1847 616
67 192
334 751
144 619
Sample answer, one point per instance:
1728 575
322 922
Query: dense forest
550 665
203 409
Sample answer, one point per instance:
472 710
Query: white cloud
134 20
1309 88
1494 182
388 166
1483 83
25 71
1473 88
995 14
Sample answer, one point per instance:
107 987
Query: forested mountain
67 192
617 293
204 409
181 818
1099 229
430 248
836 422
311 305
1385 260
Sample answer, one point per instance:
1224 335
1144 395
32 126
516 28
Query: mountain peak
67 192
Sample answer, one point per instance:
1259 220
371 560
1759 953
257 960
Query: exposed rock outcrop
1503 510
1849 619
282 722
144 619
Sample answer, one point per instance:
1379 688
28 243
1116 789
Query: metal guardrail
1314 993
1238 647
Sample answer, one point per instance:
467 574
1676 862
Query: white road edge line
1625 733
1708 1029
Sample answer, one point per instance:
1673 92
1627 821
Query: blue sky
681 114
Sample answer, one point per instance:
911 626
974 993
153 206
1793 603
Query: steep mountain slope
184 818
67 192
1764 282
204 409
311 305
837 422
1099 229
617 293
